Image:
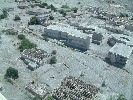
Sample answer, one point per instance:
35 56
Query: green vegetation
53 60
65 7
79 2
50 98
103 84
45 38
21 37
51 18
63 12
43 5
121 97
4 14
17 18
74 9
26 44
36 98
12 73
53 8
123 15
10 32
54 52
33 21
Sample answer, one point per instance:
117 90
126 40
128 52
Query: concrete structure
35 58
37 89
2 97
72 37
120 38
115 29
75 89
97 38
119 54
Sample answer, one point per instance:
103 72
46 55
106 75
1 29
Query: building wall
117 58
73 41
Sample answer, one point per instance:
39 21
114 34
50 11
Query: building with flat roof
72 36
119 54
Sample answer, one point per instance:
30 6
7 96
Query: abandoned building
120 38
37 89
71 36
34 58
74 89
119 54
115 29
97 38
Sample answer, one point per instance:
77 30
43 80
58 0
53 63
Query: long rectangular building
72 36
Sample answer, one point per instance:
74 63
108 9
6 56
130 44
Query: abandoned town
66 50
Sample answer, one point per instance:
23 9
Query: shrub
54 52
21 36
53 8
17 18
51 18
12 73
79 2
50 98
26 44
43 5
53 60
104 84
65 6
123 15
33 21
10 32
4 14
74 9
62 12
121 97
45 38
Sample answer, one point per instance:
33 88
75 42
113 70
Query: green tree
26 44
53 60
33 21
51 18
17 18
74 9
54 52
21 36
12 73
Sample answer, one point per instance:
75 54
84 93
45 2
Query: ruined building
74 89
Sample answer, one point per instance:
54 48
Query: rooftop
70 30
122 49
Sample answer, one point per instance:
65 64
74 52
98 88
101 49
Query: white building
119 54
72 37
